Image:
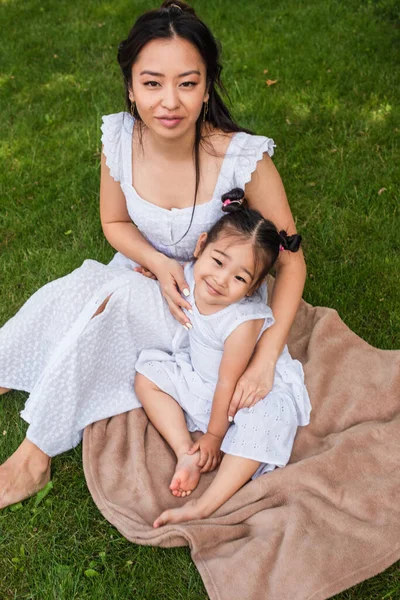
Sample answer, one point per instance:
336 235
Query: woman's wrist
157 261
265 354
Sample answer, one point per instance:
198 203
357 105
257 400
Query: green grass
334 114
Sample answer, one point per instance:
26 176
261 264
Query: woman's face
169 86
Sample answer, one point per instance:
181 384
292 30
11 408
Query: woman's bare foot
4 390
26 472
189 512
186 476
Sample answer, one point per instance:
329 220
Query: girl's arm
265 193
125 237
238 348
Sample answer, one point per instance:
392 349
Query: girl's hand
210 453
169 273
255 383
145 272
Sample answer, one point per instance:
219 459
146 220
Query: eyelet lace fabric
79 368
264 433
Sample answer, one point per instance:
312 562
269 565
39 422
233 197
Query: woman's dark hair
248 224
177 19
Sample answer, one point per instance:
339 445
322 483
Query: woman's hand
145 272
255 383
210 454
169 273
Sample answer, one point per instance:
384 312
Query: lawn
334 114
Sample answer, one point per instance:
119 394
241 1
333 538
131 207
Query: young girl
193 388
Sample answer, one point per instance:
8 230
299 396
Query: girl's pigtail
233 201
290 242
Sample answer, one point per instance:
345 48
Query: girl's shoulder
248 309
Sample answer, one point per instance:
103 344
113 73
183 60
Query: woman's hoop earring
205 110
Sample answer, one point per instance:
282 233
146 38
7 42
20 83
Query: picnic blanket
325 522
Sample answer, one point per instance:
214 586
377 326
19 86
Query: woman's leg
233 473
26 472
168 418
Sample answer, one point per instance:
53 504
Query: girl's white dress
80 369
265 432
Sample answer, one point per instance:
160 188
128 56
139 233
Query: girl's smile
224 272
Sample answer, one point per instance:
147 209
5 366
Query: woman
164 167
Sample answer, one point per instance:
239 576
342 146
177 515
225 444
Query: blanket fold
325 522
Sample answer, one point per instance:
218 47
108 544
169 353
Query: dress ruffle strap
251 150
112 143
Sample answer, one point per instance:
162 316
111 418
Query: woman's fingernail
230 419
190 311
189 326
186 292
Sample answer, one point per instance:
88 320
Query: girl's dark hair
249 224
177 19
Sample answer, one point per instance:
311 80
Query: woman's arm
265 193
125 237
117 225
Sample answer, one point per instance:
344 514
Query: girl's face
224 271
169 86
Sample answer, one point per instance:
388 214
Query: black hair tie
233 200
290 242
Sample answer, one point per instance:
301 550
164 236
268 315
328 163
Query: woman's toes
162 520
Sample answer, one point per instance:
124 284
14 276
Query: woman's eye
189 84
151 83
219 263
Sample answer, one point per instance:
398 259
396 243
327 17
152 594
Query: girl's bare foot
26 472
4 390
189 512
186 476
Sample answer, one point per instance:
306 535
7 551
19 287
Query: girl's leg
233 473
168 418
23 474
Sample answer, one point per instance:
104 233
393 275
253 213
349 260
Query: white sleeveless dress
77 369
264 432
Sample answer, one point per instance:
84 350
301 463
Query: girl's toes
175 483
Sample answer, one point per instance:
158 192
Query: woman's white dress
265 432
80 369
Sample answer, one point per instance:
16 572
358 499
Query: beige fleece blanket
327 521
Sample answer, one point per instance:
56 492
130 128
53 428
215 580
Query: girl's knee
142 384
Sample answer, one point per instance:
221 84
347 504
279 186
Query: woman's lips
169 122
